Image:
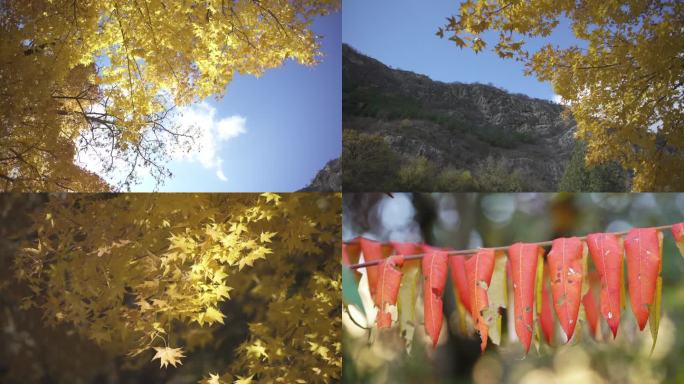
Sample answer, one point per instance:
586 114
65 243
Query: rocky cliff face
455 124
328 179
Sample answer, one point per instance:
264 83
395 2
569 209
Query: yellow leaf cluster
158 270
102 77
623 81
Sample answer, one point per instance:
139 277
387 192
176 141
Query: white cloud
210 133
221 175
231 127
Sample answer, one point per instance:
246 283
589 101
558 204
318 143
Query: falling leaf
479 269
168 356
606 252
566 272
644 254
524 259
387 289
434 272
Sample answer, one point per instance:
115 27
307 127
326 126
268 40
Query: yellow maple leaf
243 380
167 355
257 349
211 316
266 236
213 379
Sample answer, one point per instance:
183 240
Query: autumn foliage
562 286
223 287
625 59
102 79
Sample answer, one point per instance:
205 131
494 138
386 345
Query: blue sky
280 129
401 33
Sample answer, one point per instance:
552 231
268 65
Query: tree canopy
103 77
211 287
623 81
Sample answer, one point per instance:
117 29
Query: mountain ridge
456 124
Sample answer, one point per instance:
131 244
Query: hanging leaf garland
434 273
480 283
566 270
524 259
479 269
387 289
643 248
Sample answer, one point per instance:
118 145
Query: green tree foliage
579 177
494 175
368 163
105 76
217 287
624 83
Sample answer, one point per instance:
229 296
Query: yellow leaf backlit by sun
167 355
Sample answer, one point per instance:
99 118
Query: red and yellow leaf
606 252
566 271
678 233
372 250
644 254
388 288
458 276
434 273
479 269
524 259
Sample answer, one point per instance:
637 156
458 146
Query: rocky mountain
455 124
328 179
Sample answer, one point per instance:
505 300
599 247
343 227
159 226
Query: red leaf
460 281
434 272
678 233
479 269
372 250
642 246
388 288
408 249
565 268
523 259
546 311
591 310
606 252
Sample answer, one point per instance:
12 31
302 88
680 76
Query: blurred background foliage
472 220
